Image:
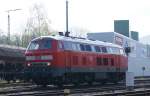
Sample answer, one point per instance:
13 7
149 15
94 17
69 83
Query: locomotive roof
11 51
79 40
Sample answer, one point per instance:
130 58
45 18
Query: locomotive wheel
90 83
42 82
59 82
115 82
103 82
89 79
60 85
76 83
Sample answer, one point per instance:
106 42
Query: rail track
142 86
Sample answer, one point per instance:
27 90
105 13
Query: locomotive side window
74 46
104 50
82 47
97 49
78 46
116 50
67 45
60 45
109 49
88 48
122 52
93 48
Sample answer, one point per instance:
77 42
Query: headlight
49 64
28 64
47 57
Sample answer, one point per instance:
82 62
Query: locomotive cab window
45 43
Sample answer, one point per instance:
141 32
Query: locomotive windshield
40 44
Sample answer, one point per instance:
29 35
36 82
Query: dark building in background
135 35
122 27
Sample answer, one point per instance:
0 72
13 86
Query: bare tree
37 24
3 37
79 31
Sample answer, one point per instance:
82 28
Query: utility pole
8 12
67 33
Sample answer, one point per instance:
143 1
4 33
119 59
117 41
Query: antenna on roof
61 33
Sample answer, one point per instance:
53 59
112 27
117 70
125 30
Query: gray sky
93 15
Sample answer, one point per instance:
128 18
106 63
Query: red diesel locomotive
60 60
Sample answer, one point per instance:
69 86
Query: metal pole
8 38
8 11
67 33
66 15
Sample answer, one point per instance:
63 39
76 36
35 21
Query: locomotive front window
34 46
40 44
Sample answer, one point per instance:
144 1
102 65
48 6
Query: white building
140 53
